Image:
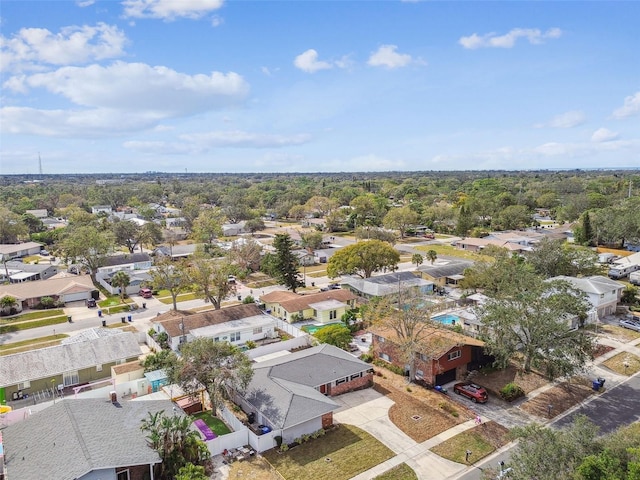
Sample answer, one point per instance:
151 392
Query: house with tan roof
19 250
237 324
66 289
441 357
323 307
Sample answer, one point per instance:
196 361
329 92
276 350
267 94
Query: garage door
76 296
446 377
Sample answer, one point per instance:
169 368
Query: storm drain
416 417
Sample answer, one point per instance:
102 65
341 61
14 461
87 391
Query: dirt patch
600 350
494 380
255 468
615 332
420 413
561 398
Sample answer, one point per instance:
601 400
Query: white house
602 292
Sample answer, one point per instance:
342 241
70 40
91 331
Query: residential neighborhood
258 352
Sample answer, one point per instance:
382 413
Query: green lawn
54 312
165 297
452 252
214 423
455 448
341 454
401 472
33 344
32 324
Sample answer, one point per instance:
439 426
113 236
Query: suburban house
38 213
84 439
175 252
128 262
19 250
236 324
290 394
388 284
305 258
81 359
444 272
602 292
233 229
476 245
323 307
63 289
24 272
443 355
101 209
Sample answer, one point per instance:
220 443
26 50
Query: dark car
91 303
476 393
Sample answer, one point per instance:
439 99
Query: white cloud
239 139
169 9
216 21
72 45
85 3
630 107
604 135
308 62
139 87
508 40
569 119
386 56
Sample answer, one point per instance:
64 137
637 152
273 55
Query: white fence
288 327
279 347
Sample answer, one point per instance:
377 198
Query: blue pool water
447 319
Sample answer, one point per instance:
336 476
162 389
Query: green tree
400 219
88 245
311 240
150 234
192 472
210 279
338 335
512 217
12 228
176 443
254 225
127 233
551 258
417 259
121 281
375 233
363 259
246 255
432 256
219 367
284 264
159 360
33 224
629 295
534 328
7 303
208 225
171 276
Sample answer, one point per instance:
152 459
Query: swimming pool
447 319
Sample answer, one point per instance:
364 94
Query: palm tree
432 255
121 280
417 259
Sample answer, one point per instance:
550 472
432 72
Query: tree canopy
363 259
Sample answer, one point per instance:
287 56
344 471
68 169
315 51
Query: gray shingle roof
385 284
51 361
283 389
597 284
445 270
74 437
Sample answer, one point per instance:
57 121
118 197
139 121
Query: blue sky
317 86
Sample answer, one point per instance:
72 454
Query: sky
240 86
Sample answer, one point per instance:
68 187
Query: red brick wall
355 384
327 420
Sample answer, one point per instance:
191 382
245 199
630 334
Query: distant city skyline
317 86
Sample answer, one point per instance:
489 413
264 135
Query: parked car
476 393
630 324
145 293
91 303
44 253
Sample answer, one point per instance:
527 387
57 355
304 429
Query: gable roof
115 260
436 341
283 389
48 287
445 269
12 248
74 355
173 321
388 284
597 284
302 302
74 437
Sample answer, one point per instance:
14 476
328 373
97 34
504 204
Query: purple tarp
204 428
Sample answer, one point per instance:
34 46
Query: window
423 357
99 368
257 330
333 314
455 354
24 385
385 357
70 378
356 375
342 380
216 339
234 337
122 475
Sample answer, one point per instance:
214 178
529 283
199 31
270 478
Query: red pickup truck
476 393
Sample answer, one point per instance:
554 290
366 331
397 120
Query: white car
631 325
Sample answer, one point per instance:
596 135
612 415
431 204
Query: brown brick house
444 355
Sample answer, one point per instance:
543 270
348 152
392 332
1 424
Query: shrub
284 447
511 391
409 389
449 409
366 357
250 344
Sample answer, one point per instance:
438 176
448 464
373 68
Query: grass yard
33 344
54 312
214 423
481 440
450 251
165 297
340 454
401 472
617 333
561 398
14 327
623 363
